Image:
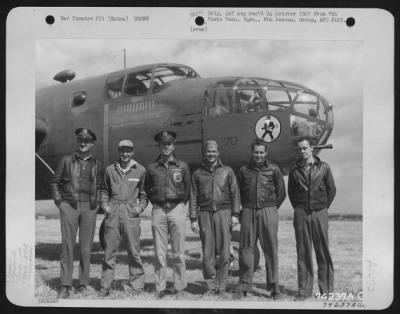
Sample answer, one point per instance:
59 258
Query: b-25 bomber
138 102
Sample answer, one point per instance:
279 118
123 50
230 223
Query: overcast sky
332 68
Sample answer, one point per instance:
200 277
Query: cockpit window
250 100
305 127
219 101
278 99
166 74
322 112
247 82
308 112
138 83
262 82
274 84
291 85
307 116
114 87
307 104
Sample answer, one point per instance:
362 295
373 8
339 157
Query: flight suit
214 199
168 188
123 193
311 191
262 191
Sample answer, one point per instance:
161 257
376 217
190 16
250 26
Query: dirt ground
345 244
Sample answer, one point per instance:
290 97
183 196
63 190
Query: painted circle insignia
268 128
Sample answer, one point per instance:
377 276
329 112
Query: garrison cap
125 143
165 136
211 144
84 133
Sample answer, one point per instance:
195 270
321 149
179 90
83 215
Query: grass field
345 244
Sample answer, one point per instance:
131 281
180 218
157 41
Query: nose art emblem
268 128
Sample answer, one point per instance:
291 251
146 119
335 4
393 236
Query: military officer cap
125 143
165 136
86 134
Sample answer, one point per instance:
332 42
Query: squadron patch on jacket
177 176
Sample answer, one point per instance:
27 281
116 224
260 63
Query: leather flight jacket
314 189
65 184
262 186
167 185
214 190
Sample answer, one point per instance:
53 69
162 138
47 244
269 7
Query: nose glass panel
310 113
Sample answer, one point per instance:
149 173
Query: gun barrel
327 146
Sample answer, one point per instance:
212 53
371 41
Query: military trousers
311 228
169 222
119 226
258 224
215 234
71 219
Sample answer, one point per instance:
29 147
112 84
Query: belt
170 204
83 197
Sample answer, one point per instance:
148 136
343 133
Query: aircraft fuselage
138 102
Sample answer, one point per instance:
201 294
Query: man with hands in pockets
123 200
262 192
75 189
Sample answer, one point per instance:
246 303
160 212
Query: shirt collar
132 164
217 165
316 162
171 160
253 165
78 156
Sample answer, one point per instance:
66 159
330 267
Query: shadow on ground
284 290
122 285
51 252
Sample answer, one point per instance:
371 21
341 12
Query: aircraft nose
41 129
